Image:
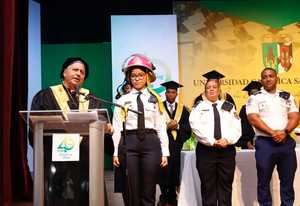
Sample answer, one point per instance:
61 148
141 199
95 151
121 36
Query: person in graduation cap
179 130
66 183
213 74
217 128
247 139
143 136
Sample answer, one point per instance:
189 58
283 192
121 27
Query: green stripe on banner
274 13
97 55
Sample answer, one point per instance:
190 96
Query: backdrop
239 39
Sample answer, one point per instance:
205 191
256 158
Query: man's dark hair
268 68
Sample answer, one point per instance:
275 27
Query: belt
139 131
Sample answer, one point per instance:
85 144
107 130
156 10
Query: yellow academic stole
62 99
176 118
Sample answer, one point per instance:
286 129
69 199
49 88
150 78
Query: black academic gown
68 185
247 130
171 173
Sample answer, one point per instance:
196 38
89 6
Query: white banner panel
152 35
65 147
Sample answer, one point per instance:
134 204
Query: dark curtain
15 180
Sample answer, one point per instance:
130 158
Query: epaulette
227 106
257 92
196 103
284 95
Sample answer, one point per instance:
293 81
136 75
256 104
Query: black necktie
141 118
217 128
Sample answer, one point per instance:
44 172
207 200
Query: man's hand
172 124
116 161
250 145
279 136
164 161
109 129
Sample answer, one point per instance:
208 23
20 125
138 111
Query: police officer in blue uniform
142 136
217 128
274 115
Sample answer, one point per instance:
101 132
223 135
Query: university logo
277 53
66 145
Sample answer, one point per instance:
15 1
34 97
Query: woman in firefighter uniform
141 136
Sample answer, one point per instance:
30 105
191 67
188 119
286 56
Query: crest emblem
277 53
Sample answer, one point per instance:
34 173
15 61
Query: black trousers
143 163
169 178
216 171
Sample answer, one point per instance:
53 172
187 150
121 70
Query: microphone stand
90 96
125 192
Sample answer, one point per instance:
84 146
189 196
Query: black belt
139 131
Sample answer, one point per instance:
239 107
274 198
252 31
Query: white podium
46 122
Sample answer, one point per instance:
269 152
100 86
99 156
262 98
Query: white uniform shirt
272 109
153 118
202 123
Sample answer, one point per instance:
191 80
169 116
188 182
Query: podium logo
66 144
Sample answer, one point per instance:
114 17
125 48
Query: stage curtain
15 180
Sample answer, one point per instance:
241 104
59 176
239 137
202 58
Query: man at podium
66 183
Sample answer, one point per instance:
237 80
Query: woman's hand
116 161
221 143
164 161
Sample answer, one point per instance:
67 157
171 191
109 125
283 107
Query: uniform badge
127 103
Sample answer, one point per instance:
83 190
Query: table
243 187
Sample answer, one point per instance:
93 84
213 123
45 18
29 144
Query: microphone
91 96
77 91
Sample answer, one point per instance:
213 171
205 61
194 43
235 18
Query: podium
91 123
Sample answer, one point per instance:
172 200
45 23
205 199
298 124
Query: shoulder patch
227 106
284 95
152 99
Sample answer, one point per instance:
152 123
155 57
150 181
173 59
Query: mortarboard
171 85
213 74
252 85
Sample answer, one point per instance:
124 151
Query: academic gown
247 130
170 175
66 183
